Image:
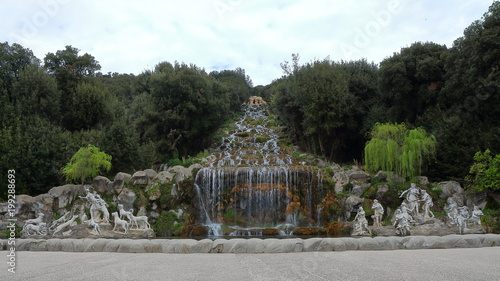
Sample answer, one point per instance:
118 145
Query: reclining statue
69 223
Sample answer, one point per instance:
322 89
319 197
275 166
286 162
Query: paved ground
428 264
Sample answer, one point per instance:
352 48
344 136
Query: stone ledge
254 245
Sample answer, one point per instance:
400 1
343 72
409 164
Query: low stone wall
255 245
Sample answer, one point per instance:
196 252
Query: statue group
416 210
99 216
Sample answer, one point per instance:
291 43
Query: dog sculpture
125 214
40 229
140 222
96 229
122 223
38 220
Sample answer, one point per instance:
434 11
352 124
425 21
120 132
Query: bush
167 225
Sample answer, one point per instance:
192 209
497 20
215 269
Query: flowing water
254 187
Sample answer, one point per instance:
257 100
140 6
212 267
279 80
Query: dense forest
51 108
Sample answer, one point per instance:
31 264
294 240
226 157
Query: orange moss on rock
310 231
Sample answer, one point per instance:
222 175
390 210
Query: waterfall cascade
253 187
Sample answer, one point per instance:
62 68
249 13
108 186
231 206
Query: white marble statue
476 216
378 213
95 227
360 223
35 221
97 206
461 218
38 229
60 220
406 214
120 222
427 199
451 210
141 222
125 214
69 223
401 223
412 195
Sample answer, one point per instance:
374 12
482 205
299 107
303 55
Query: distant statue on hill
254 100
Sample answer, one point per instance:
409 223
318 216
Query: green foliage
86 164
167 225
484 174
322 104
326 108
396 149
262 139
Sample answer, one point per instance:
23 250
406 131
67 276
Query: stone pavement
428 264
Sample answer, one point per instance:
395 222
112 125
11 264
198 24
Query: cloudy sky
129 36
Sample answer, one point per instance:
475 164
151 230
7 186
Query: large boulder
102 184
150 173
180 172
350 203
381 176
164 177
340 178
423 180
66 194
119 181
126 198
195 166
449 188
381 190
359 189
26 208
358 175
139 178
44 204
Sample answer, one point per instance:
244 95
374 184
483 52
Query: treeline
52 108
453 93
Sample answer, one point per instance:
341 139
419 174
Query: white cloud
130 36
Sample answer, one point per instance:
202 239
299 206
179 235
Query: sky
131 36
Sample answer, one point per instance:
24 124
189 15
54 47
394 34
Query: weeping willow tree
396 149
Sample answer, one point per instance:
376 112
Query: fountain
253 187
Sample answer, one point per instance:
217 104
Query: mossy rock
262 139
243 134
310 231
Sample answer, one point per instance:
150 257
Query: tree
70 70
91 105
13 59
484 174
86 163
410 80
69 67
396 149
467 112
